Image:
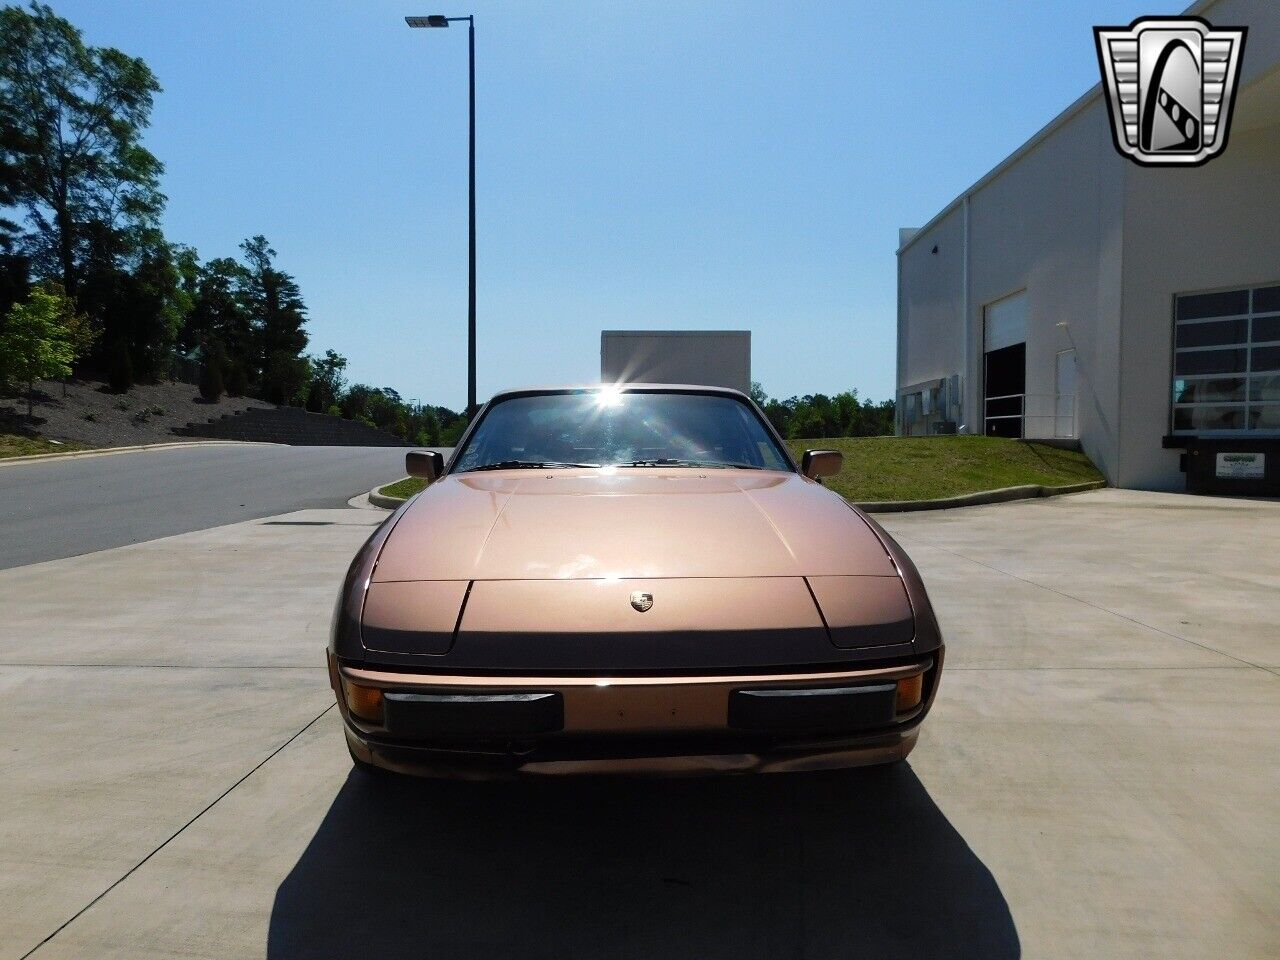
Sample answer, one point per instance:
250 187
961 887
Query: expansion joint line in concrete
1089 603
162 666
128 873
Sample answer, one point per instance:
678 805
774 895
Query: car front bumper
501 726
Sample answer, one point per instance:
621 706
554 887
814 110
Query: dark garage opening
1005 377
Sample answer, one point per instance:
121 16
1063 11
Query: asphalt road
63 508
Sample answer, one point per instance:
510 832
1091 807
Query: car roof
624 387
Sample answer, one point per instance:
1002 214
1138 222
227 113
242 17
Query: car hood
628 524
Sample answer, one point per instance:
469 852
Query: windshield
608 428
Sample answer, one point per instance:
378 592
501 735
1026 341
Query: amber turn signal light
909 692
366 702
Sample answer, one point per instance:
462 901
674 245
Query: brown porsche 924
623 579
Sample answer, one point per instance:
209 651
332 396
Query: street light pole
471 227
439 21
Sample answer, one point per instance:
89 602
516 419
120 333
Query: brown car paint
627 523
521 579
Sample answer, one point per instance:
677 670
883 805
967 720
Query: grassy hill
924 468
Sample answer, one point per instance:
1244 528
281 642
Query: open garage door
1004 333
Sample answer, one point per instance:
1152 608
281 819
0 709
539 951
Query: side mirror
820 463
426 464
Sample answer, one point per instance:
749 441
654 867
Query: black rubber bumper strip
423 715
819 709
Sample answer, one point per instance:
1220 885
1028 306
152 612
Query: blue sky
722 165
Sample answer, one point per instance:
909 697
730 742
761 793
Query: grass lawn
922 468
12 445
926 468
403 488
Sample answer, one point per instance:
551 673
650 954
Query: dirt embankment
91 415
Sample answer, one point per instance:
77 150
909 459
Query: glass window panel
610 429
1211 391
1210 361
1226 304
1208 418
1264 388
1266 299
1265 417
1266 358
1264 329
1212 334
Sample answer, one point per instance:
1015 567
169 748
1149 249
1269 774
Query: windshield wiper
678 462
527 465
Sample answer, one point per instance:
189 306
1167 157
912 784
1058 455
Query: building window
1226 362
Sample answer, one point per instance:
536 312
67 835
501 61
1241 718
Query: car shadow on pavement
850 863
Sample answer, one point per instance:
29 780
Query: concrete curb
387 503
1003 495
143 448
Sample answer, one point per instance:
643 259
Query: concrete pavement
1098 777
62 508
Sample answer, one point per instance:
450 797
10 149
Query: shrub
211 380
284 378
119 367
123 404
237 380
142 416
90 416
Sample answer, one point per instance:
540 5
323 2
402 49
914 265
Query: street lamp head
435 20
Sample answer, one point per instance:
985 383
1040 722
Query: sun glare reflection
609 395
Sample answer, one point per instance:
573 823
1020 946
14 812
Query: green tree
34 343
214 360
274 302
451 434
119 366
327 381
428 434
71 121
218 310
15 270
353 401
237 379
285 376
807 423
80 329
149 309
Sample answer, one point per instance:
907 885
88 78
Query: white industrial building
1070 293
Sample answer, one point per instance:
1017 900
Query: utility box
715 358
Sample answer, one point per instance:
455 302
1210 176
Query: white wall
716 358
1049 224
1213 227
930 297
1093 239
1046 225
